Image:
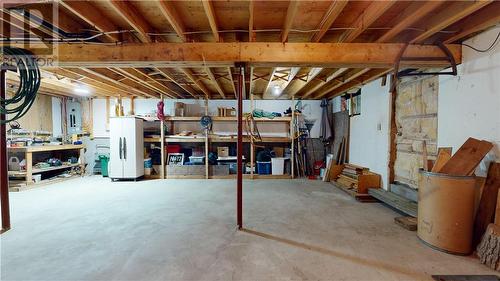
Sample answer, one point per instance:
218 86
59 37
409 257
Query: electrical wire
487 49
29 83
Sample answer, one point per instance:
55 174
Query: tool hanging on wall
29 83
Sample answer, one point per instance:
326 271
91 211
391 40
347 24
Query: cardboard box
279 151
179 109
223 151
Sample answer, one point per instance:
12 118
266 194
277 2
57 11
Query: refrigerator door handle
124 148
120 148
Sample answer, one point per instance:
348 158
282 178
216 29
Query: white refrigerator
126 136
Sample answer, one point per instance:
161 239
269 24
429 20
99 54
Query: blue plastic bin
263 168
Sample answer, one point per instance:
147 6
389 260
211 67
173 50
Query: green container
104 165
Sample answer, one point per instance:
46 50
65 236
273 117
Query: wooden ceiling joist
348 77
168 11
166 73
98 86
329 75
369 16
353 55
145 81
361 80
453 13
233 86
133 18
212 19
483 19
330 16
290 15
93 17
215 82
251 13
198 83
310 77
412 14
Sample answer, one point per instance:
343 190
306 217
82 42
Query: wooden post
132 105
393 130
107 112
292 136
162 145
29 168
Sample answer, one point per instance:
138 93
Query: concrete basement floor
92 229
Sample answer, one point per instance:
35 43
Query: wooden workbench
28 156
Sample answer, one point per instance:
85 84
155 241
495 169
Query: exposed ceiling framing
188 49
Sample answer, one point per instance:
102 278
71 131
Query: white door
115 147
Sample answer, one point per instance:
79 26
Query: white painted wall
469 104
369 132
312 109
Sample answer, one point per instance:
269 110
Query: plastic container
104 165
197 159
148 163
446 207
173 148
278 165
263 168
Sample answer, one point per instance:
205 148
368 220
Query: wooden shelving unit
28 152
210 139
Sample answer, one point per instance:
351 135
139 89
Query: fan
206 122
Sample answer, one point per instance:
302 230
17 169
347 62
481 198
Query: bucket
263 168
278 165
148 163
446 211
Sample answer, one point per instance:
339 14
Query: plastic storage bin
104 165
197 160
263 168
278 165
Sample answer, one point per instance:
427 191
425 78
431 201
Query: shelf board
44 148
39 171
217 118
215 139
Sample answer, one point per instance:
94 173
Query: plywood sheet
466 159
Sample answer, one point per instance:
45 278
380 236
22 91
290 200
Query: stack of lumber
355 180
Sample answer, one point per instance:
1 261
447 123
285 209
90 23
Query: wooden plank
481 20
334 55
172 17
212 20
424 156
466 159
488 203
409 223
135 19
497 211
444 154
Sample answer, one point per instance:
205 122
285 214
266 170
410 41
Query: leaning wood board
488 202
444 154
466 159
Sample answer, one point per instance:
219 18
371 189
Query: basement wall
468 106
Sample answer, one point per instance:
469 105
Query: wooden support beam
198 83
33 27
215 82
481 20
290 15
329 18
165 72
251 84
348 77
414 13
251 32
334 55
310 77
368 76
291 76
369 16
133 18
19 24
453 13
173 18
212 20
97 86
331 74
91 15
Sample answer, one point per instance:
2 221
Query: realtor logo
31 25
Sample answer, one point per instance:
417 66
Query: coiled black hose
29 83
